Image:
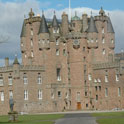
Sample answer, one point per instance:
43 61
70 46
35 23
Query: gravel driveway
77 118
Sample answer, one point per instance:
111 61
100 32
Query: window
96 40
57 52
10 80
99 88
39 79
73 24
95 88
52 95
64 52
48 41
31 42
25 95
32 32
96 97
112 41
117 77
84 59
57 42
92 40
22 44
103 31
86 105
32 54
59 93
83 49
2 96
25 79
106 92
39 94
85 93
1 81
89 77
99 80
103 40
66 95
56 30
58 74
11 93
43 41
95 80
119 91
25 55
106 78
103 51
78 96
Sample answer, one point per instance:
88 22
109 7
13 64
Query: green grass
33 119
110 118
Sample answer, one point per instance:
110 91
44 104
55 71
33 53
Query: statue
11 104
13 115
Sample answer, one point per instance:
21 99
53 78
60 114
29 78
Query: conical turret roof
23 32
43 26
16 61
109 26
92 26
55 22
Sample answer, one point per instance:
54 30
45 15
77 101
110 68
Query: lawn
33 119
110 118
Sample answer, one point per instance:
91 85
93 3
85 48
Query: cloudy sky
12 14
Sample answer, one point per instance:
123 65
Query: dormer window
56 30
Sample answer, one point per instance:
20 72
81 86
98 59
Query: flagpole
69 10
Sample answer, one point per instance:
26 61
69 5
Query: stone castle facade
65 66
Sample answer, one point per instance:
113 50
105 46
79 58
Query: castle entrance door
78 105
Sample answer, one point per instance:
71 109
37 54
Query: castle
65 66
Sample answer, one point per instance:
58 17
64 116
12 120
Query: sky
12 15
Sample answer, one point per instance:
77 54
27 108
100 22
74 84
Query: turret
76 23
84 22
55 24
23 32
92 34
65 25
43 34
111 34
43 25
109 26
16 61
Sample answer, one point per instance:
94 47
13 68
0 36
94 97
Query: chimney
6 61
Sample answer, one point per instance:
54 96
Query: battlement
22 68
108 65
